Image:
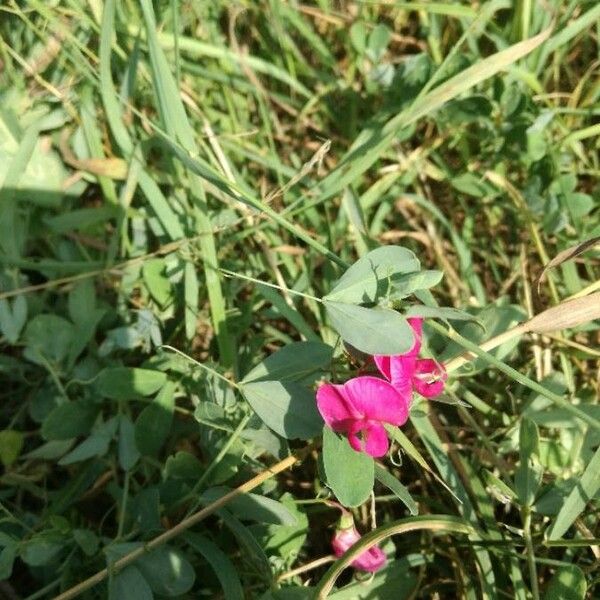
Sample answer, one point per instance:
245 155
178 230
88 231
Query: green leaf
87 540
7 558
157 282
48 337
288 408
407 284
13 318
167 571
191 291
69 420
224 570
95 445
497 488
298 361
183 465
567 583
40 550
129 583
367 278
252 507
439 312
285 540
125 383
11 444
379 38
582 493
349 474
358 36
82 300
128 452
153 425
528 475
371 330
387 479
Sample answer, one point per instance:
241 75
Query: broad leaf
129 583
69 420
288 408
224 570
371 330
568 583
367 278
124 383
252 507
298 361
153 425
349 474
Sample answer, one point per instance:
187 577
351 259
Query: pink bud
370 560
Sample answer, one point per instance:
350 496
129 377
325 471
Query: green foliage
273 192
348 473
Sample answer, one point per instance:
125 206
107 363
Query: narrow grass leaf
583 492
387 479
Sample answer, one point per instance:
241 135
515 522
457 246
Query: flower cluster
363 404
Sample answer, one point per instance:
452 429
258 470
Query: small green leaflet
367 278
371 330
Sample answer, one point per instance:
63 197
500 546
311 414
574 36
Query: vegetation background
159 159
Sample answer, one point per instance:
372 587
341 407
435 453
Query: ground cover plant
299 300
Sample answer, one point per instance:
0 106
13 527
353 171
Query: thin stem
434 523
535 591
514 374
319 562
199 364
224 450
459 361
271 285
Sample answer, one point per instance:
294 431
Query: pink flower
370 560
362 405
406 371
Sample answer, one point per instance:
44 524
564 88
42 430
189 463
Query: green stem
526 514
514 374
213 465
202 366
271 285
433 523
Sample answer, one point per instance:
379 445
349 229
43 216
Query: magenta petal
377 400
353 439
416 324
333 406
402 370
371 560
383 364
429 377
377 441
